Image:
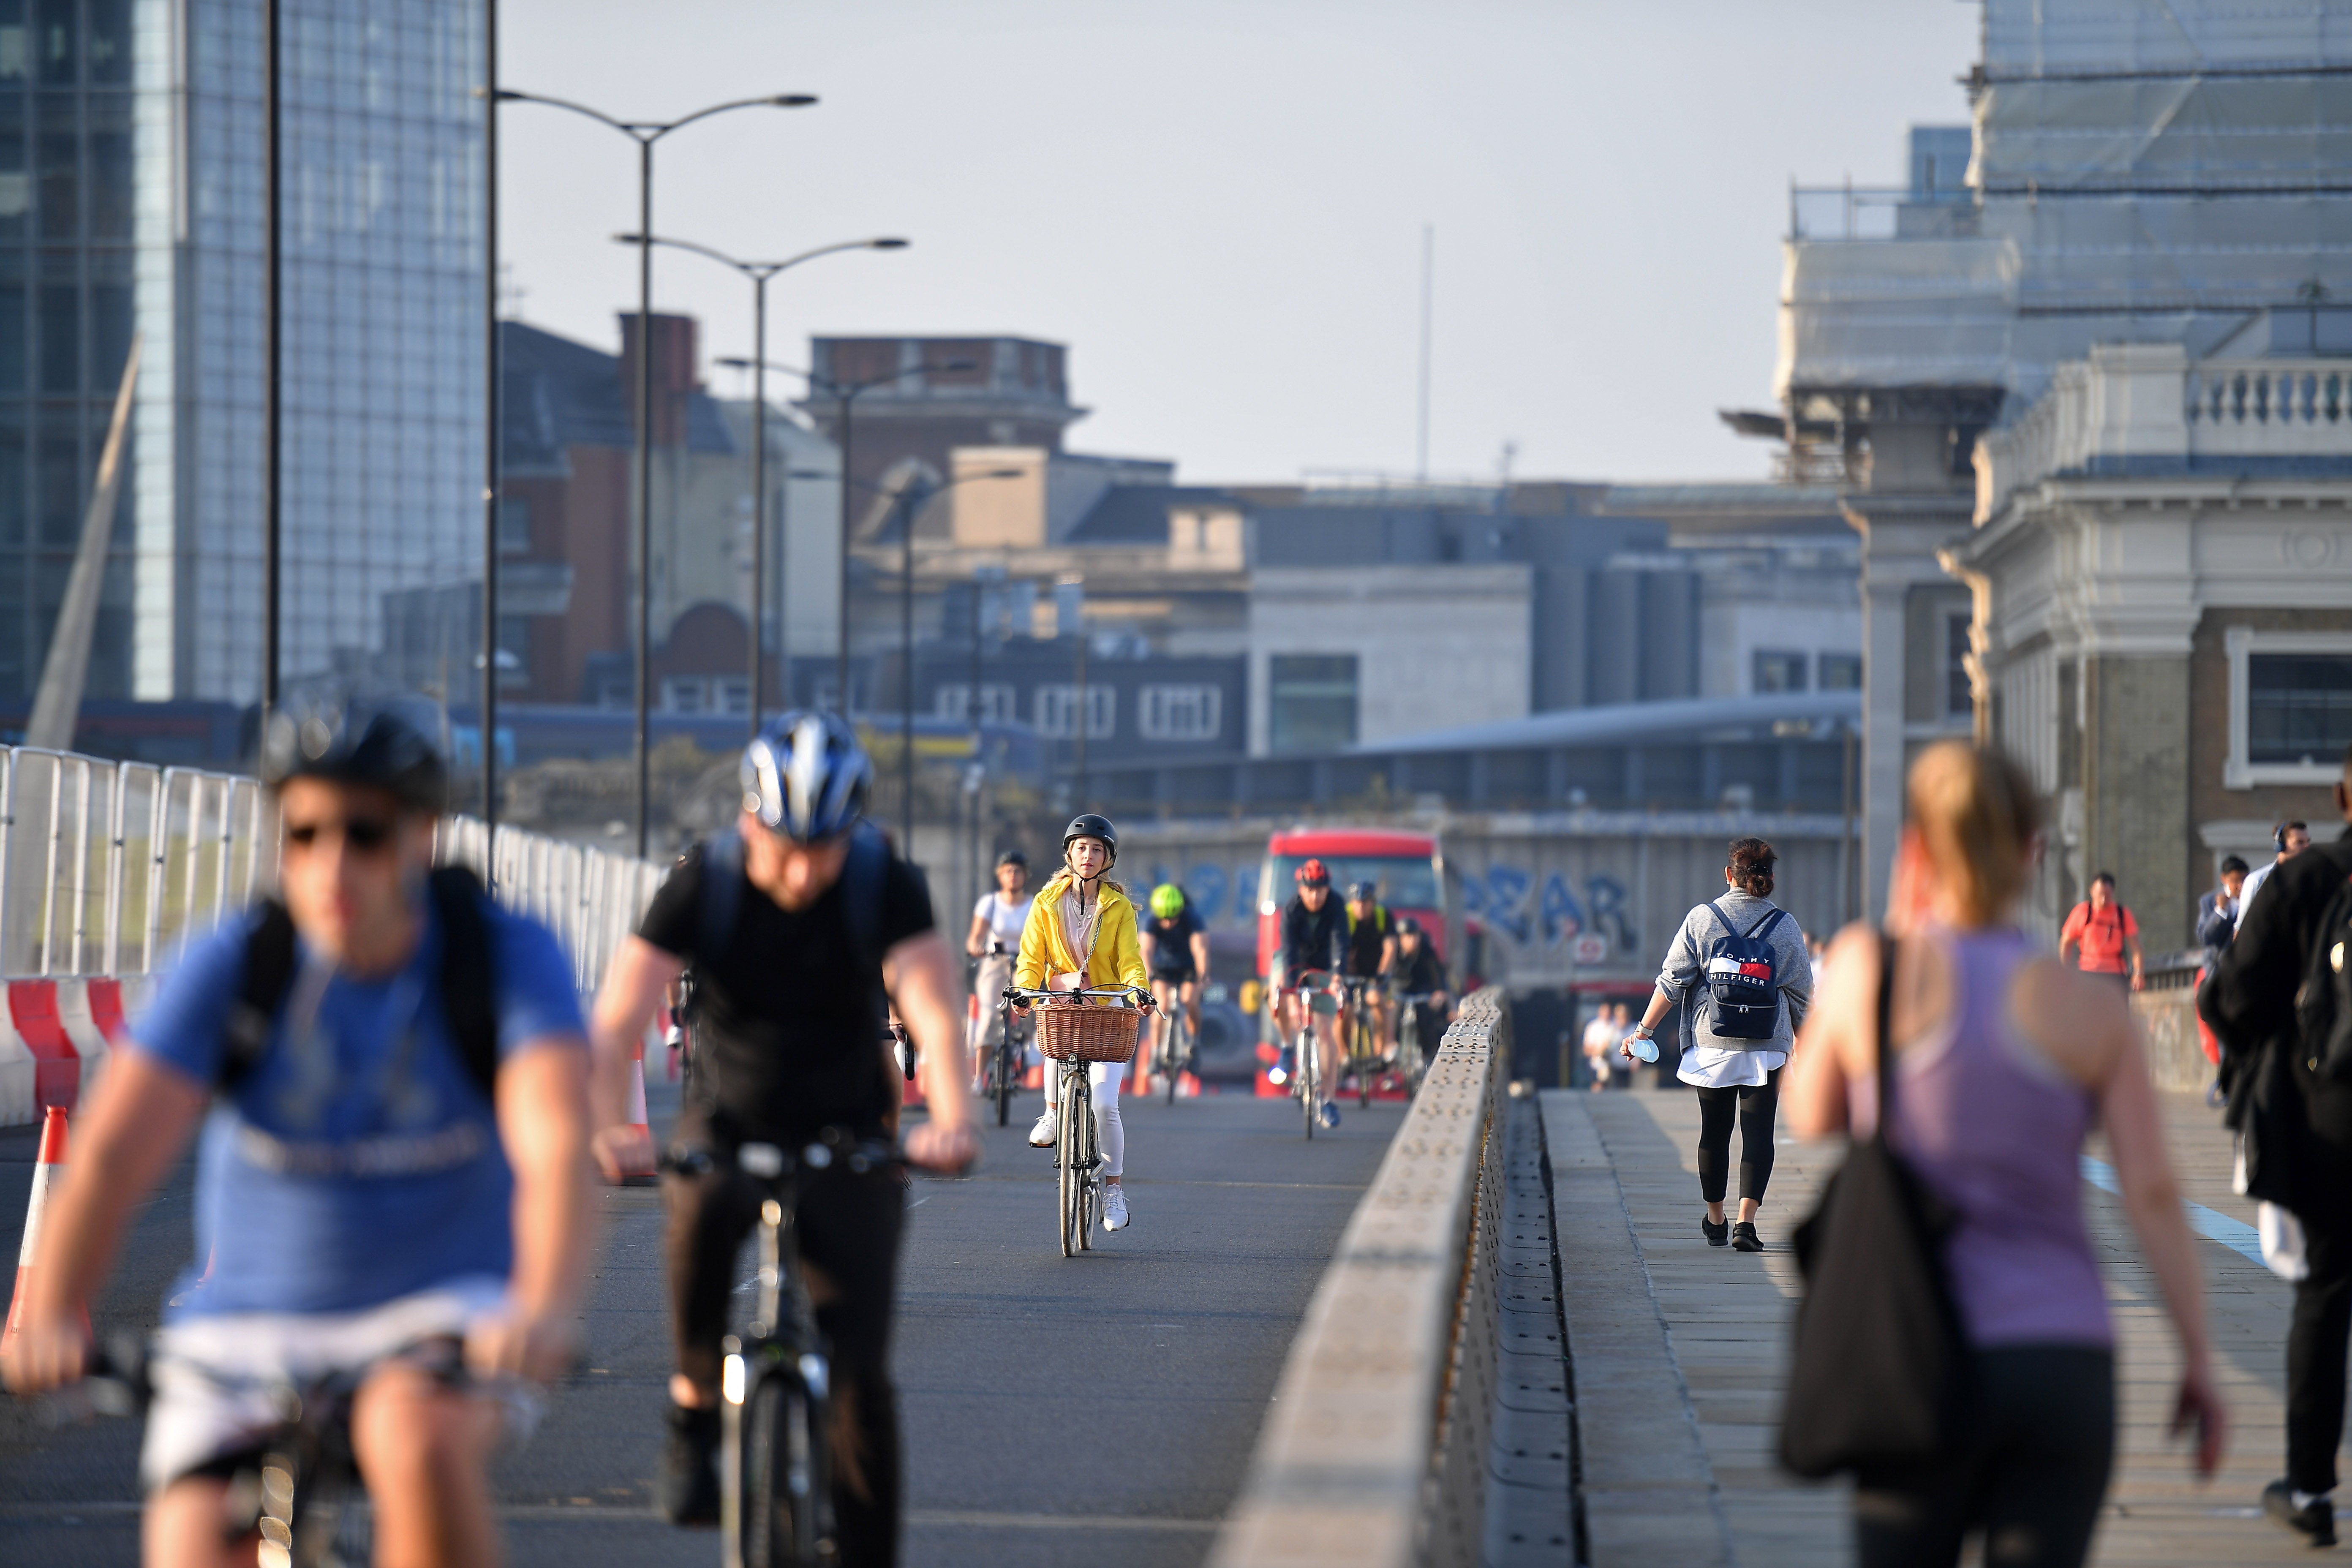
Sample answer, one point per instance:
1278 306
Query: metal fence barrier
106 866
1374 1450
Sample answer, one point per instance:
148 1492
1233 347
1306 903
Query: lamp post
846 394
759 272
644 134
273 196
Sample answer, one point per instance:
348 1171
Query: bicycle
1077 1146
1363 1051
1174 1055
300 1492
1000 1067
776 1481
1311 988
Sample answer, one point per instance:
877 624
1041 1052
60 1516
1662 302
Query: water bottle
1642 1046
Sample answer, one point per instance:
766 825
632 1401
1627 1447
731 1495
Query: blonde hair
1977 816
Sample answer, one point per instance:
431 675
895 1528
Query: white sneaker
1114 1207
1048 1127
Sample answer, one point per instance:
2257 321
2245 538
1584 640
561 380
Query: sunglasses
361 835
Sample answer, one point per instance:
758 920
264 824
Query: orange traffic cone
51 1159
637 1110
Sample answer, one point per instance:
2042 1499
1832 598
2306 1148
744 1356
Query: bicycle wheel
1178 1051
1065 1163
782 1482
1307 1083
1004 1073
1366 1058
1089 1171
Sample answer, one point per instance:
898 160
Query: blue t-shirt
358 1161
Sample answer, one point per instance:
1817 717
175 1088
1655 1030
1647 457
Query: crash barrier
1374 1449
106 866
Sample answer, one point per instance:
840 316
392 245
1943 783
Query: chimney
673 362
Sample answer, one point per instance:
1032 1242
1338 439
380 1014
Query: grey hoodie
1680 976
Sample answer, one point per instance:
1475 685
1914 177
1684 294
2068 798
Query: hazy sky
1217 203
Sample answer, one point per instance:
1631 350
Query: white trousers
1104 1079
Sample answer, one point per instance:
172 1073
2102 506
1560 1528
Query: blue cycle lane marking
2234 1234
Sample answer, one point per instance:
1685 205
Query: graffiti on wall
1509 902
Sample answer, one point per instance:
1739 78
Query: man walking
2290 839
2100 928
2217 911
2294 1128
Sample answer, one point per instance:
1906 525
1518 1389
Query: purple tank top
1996 1131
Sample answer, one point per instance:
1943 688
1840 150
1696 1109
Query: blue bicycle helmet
806 778
328 734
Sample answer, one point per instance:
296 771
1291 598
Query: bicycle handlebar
1134 995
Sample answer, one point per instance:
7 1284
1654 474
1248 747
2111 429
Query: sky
1218 204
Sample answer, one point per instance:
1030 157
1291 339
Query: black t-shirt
1171 941
1313 939
787 1039
1365 939
1419 974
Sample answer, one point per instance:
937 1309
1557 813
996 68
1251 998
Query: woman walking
2002 1060
1740 968
1080 935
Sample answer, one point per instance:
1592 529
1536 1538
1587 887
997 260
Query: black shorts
1185 976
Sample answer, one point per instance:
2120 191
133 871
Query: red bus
1405 866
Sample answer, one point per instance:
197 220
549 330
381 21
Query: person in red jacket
2100 928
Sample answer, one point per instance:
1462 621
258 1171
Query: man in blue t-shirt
382 1164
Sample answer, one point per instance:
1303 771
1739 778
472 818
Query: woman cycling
1080 934
2002 1061
997 920
1734 1052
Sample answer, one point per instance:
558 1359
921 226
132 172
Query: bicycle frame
1077 1154
1311 987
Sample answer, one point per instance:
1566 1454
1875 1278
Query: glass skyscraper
131 196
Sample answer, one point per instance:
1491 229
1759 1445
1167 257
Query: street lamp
759 272
644 134
846 393
907 626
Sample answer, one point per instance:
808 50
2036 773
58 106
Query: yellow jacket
1045 949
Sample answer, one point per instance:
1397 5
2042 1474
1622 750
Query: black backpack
467 982
2323 1006
1743 985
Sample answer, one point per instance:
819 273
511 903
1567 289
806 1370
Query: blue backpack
1742 986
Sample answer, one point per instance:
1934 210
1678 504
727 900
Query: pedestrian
2001 1063
2100 930
2289 839
2294 1125
1602 1035
1738 966
2217 911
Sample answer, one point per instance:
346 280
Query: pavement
1679 1351
1056 1411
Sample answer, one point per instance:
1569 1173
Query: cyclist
798 925
389 1071
996 922
1371 952
1417 972
1081 935
1176 952
1314 936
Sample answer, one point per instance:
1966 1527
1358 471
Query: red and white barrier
55 1038
52 1160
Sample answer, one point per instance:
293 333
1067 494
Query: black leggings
1756 1103
848 1229
2031 1478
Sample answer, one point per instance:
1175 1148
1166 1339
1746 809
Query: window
1959 697
514 525
998 704
1057 708
733 694
686 694
1311 701
1778 672
2289 706
1841 672
1180 712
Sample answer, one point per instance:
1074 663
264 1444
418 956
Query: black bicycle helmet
1014 858
354 740
1360 892
1407 926
1092 826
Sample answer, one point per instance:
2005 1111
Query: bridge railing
1374 1450
105 865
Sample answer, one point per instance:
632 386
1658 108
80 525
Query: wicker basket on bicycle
1075 1030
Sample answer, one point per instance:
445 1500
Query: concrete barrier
1374 1449
2175 1058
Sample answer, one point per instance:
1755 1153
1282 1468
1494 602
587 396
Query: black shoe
2314 1521
1744 1238
1717 1231
690 1468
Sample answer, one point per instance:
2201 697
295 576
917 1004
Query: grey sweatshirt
1682 976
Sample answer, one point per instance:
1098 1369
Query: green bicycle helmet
1167 900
